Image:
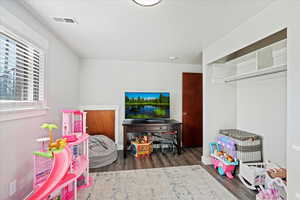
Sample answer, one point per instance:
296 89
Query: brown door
101 122
192 110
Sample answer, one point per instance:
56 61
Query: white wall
104 83
293 82
219 110
270 20
262 109
17 137
280 14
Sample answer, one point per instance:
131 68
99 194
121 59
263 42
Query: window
21 71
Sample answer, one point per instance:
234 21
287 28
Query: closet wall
261 107
261 104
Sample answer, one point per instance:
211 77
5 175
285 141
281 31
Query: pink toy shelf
59 174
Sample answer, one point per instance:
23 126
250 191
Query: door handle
184 113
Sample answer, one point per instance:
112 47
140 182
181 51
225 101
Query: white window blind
21 70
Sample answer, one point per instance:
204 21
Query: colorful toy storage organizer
248 145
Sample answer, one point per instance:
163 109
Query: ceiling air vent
65 20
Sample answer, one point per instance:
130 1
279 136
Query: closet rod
256 75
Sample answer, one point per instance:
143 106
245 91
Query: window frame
14 106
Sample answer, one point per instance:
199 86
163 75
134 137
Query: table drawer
148 128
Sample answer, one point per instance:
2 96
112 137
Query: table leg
179 145
124 141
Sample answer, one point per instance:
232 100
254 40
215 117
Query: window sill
20 113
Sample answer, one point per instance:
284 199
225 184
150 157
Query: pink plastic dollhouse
58 174
73 123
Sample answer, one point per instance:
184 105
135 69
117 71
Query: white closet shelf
256 73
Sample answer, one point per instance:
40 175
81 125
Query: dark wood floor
190 156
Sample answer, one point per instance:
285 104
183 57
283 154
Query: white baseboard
206 160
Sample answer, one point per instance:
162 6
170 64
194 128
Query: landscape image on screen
142 105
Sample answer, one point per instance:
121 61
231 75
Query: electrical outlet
12 187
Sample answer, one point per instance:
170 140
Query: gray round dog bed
102 151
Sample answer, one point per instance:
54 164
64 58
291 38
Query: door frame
183 101
111 107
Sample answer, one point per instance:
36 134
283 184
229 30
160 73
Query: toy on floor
222 161
276 178
228 145
268 194
279 186
252 175
277 173
62 168
142 146
266 175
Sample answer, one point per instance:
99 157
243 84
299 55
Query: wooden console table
151 126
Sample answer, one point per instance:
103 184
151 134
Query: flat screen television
147 105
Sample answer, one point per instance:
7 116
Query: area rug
172 183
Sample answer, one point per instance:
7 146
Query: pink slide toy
58 175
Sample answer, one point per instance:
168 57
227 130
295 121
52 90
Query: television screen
147 105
